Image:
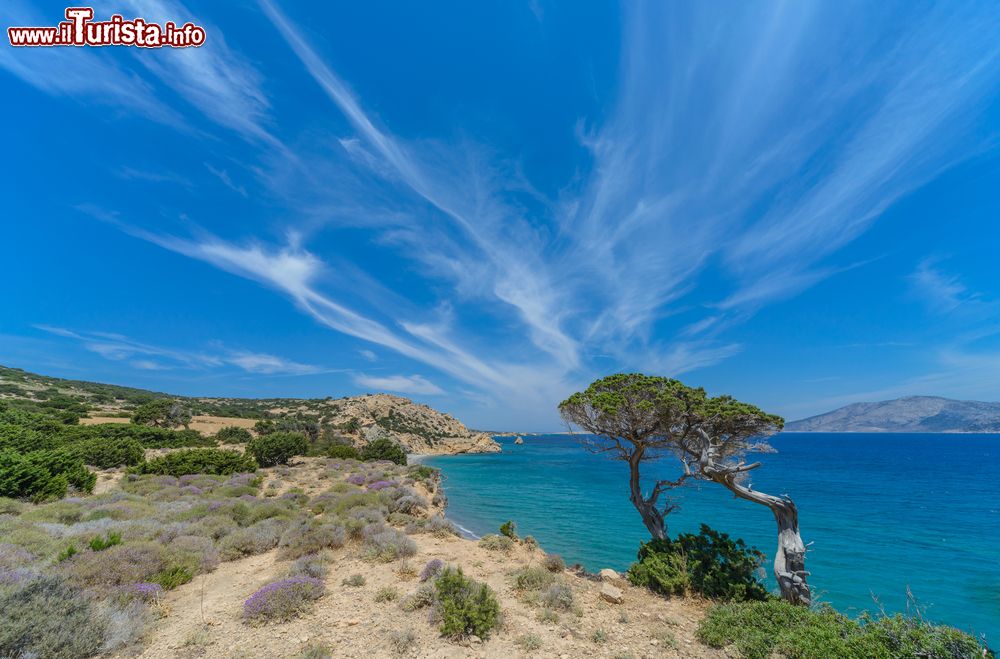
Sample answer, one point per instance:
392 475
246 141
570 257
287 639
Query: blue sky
485 206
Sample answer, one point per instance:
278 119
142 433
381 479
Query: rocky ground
203 618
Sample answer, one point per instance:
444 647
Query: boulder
607 574
612 594
519 440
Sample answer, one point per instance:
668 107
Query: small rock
475 639
607 574
353 622
612 594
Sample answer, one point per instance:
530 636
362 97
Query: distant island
908 414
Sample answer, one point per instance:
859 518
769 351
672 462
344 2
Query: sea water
893 521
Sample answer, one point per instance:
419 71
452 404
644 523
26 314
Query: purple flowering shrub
282 600
381 485
432 569
355 479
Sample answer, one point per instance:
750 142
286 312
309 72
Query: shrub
148 436
709 563
42 475
118 566
312 565
67 553
493 542
532 578
315 652
343 452
554 563
233 435
774 627
422 597
97 543
354 581
432 569
529 642
173 576
384 448
277 447
309 537
548 616
465 606
388 545
530 542
105 453
197 461
386 594
440 527
47 618
599 636
509 529
282 600
558 597
262 536
403 641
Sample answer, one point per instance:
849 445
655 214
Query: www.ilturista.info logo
79 29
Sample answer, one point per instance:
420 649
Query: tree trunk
790 558
651 516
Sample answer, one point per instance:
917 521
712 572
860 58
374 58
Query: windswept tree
624 413
638 418
163 413
723 432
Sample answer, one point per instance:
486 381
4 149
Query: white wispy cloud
407 384
213 78
227 180
81 73
940 291
117 347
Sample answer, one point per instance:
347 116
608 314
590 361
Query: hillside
356 420
909 414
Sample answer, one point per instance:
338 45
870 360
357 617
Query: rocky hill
357 419
909 414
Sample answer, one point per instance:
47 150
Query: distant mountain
909 414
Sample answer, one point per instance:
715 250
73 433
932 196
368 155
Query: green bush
509 529
710 563
197 461
343 452
97 543
107 453
466 607
233 435
764 629
384 448
148 436
42 475
276 448
173 576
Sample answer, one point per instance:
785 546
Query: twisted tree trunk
790 558
651 515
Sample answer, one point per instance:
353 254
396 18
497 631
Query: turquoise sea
884 513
